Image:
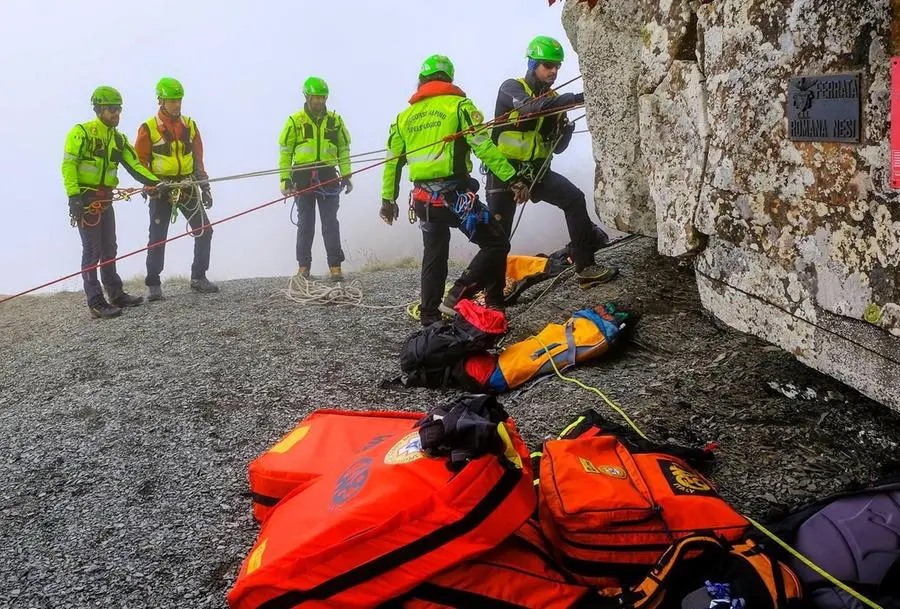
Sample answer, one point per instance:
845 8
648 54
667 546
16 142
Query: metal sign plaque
824 108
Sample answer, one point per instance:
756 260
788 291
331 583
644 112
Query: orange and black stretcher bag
391 519
325 439
518 574
611 507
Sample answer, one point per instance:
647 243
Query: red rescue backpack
611 505
388 520
297 459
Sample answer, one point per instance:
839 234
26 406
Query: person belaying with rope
314 146
529 145
427 137
170 145
91 158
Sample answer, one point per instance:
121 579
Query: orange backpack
611 507
385 521
298 458
518 574
705 571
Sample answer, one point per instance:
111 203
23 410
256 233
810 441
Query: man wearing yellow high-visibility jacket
170 145
426 137
91 158
529 143
314 145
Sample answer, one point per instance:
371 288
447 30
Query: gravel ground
124 444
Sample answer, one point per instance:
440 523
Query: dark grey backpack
855 536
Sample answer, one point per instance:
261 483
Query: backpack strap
644 593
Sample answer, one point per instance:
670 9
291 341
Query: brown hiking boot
101 309
594 274
334 273
303 271
124 299
204 286
154 293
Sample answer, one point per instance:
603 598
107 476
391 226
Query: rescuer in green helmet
91 158
314 145
169 144
426 137
529 142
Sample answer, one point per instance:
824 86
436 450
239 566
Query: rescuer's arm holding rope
390 179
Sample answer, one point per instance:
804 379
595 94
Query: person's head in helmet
436 67
169 92
315 90
107 103
545 56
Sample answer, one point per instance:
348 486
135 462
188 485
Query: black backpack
434 356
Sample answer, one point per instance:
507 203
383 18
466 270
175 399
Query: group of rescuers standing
314 162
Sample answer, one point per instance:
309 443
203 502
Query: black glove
390 211
579 98
76 207
287 187
206 197
347 185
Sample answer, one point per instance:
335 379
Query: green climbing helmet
435 64
169 88
315 86
544 48
106 96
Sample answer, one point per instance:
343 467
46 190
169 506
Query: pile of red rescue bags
449 509
461 351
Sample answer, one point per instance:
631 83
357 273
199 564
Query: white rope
308 291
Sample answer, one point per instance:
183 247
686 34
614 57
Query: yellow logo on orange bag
407 450
607 470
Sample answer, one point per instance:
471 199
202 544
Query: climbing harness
316 186
528 172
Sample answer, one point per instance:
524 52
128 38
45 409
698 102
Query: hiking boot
334 273
429 318
446 306
124 299
594 274
101 309
204 286
154 293
303 271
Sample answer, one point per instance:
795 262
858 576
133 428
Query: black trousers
160 215
98 244
559 191
486 271
306 226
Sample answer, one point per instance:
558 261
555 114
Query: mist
242 65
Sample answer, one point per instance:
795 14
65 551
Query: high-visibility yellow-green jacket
306 140
437 111
91 158
524 140
174 158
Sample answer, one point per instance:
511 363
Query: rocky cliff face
796 241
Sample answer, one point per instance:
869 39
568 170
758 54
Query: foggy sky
242 65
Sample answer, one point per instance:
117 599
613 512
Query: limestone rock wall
687 106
